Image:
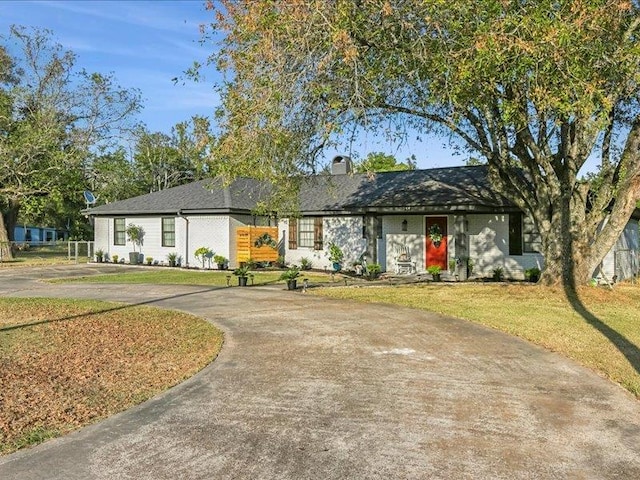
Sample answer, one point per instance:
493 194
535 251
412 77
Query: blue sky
145 44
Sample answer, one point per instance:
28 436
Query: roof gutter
186 237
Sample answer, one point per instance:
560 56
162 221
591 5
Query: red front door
436 243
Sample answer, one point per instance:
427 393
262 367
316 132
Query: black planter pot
292 284
221 266
134 258
172 263
242 281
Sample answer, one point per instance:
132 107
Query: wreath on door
436 234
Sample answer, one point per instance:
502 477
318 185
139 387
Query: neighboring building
388 218
34 235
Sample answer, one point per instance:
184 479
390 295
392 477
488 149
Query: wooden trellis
259 244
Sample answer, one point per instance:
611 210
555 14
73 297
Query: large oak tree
51 116
535 88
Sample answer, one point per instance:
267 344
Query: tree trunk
11 218
5 246
571 257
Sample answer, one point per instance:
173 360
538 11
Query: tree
535 88
51 115
162 161
381 162
111 176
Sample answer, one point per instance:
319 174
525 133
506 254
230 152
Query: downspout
186 238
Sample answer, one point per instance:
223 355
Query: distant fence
80 248
71 250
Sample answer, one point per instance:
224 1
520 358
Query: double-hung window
168 232
305 232
119 235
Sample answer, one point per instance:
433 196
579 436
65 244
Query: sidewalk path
312 388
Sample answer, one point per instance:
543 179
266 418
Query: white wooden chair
404 263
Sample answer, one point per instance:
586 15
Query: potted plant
532 274
114 258
291 276
373 270
305 263
435 271
172 258
221 261
149 260
242 273
203 254
99 255
135 234
336 256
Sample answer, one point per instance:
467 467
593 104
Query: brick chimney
341 165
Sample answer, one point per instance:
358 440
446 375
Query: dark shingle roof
446 188
202 196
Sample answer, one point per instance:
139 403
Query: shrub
498 274
374 269
305 264
291 274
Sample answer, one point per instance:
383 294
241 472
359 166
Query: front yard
604 336
65 364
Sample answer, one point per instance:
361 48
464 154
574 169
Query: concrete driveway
310 388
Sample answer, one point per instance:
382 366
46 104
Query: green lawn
604 335
171 276
36 256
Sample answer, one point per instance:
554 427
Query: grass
66 364
607 340
38 256
176 276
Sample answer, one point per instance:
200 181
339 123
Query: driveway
311 388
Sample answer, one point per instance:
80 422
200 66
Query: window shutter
515 234
293 234
317 233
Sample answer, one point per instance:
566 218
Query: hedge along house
181 219
408 221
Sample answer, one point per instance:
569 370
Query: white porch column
461 252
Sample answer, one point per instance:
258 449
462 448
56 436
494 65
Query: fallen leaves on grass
70 363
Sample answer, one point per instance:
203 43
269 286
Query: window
169 232
515 234
118 231
306 232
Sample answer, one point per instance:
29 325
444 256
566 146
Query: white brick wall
345 231
489 248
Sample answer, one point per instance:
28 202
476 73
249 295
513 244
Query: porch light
404 225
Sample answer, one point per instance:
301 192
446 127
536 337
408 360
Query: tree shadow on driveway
106 310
